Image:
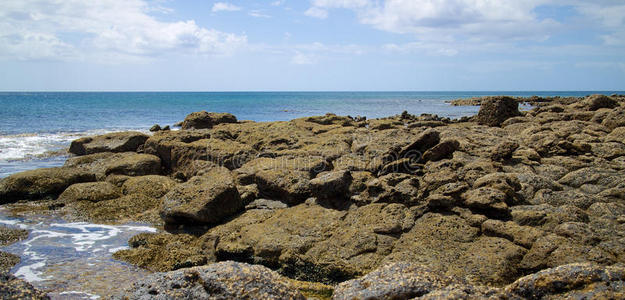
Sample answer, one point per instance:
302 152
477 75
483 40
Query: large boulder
614 119
40 183
150 185
135 165
90 191
394 281
203 199
206 120
224 280
110 142
282 178
597 101
573 281
495 110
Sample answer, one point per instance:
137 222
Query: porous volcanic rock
203 199
496 110
206 120
39 183
110 142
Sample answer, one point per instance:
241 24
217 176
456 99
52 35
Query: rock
161 252
521 235
443 150
155 128
595 102
224 280
265 204
10 235
333 184
424 141
135 165
402 165
391 188
614 119
13 288
151 185
282 178
394 281
203 119
489 200
573 281
7 262
203 199
504 150
40 183
496 110
489 260
110 142
90 191
166 128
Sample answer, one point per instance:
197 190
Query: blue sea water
37 127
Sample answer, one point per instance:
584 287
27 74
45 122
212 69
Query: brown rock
203 119
203 199
496 110
111 142
40 183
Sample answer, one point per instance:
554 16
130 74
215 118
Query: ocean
37 127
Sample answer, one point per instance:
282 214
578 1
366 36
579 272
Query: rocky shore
505 204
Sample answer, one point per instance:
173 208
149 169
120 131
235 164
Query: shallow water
73 260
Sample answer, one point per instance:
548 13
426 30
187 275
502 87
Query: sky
316 45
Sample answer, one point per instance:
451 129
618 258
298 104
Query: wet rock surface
225 280
479 203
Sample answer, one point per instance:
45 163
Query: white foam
32 145
78 293
28 272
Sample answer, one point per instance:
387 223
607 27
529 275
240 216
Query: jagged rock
90 191
496 110
203 119
442 150
521 235
574 281
333 184
402 165
394 281
155 128
48 182
282 178
424 141
265 204
595 102
203 199
135 165
13 288
487 199
503 151
614 119
150 185
391 188
110 142
224 280
96 164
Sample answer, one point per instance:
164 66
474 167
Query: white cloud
316 12
258 14
105 30
277 2
447 19
302 59
225 6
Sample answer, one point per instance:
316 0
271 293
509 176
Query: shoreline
488 200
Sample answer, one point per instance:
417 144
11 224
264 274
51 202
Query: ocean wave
33 146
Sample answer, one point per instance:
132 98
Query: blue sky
312 45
